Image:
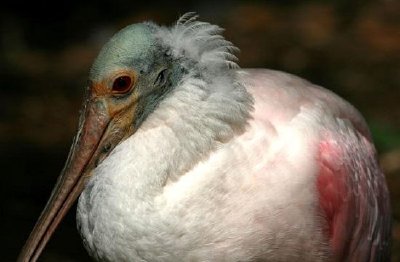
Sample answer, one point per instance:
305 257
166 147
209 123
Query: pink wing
353 197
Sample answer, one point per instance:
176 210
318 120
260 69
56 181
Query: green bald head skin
132 47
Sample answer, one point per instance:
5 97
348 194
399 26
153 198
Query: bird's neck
187 125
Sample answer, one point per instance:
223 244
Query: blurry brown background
46 49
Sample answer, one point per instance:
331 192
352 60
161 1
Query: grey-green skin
137 47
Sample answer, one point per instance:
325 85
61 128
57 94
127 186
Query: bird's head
135 70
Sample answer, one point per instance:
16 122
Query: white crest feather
201 42
187 18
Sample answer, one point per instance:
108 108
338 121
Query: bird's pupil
122 84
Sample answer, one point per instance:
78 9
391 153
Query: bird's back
329 136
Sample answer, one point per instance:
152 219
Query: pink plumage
350 185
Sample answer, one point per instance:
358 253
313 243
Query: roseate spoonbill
182 156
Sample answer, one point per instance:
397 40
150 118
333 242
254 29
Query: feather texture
200 42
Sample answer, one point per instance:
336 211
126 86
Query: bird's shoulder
281 97
328 136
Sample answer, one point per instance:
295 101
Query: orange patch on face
99 89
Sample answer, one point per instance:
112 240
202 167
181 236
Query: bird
181 155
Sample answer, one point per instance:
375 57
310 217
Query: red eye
122 84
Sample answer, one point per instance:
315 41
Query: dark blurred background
47 47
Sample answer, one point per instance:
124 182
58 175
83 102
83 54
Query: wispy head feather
200 42
187 18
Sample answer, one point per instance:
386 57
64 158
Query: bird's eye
122 84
